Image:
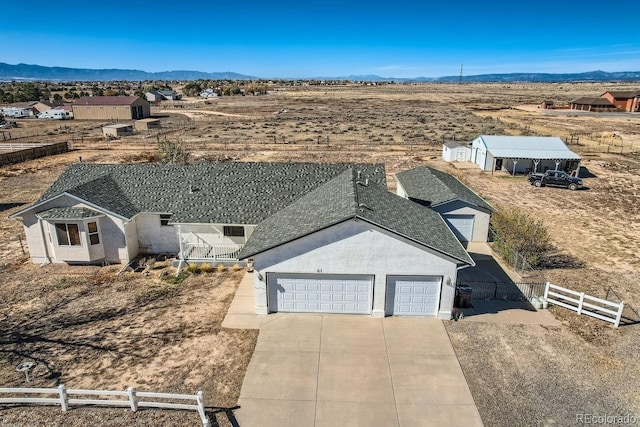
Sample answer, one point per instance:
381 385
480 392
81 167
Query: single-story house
118 129
209 93
454 151
587 103
326 238
464 211
522 154
162 95
625 100
546 105
111 108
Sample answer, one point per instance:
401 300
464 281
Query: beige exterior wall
110 112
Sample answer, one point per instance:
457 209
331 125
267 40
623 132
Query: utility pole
460 81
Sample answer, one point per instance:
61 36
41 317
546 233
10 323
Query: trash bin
463 297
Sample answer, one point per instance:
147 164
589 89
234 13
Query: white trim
96 207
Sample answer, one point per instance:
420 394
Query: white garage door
461 225
413 295
320 293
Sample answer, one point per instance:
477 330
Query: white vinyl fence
584 304
131 398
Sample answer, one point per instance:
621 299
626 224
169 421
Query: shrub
175 280
193 268
221 268
206 268
236 267
518 232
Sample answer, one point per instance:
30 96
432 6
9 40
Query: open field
595 233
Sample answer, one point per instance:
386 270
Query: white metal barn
522 154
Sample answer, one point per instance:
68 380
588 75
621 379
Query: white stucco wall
111 236
154 238
356 247
481 221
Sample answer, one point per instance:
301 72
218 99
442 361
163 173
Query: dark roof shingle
224 193
347 197
437 187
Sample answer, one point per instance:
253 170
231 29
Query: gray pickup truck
555 178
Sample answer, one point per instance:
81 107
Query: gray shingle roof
69 213
437 187
224 193
346 197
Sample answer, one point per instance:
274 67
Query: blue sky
331 38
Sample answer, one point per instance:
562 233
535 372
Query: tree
57 97
518 232
173 150
192 89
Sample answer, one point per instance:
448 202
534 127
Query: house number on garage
319 270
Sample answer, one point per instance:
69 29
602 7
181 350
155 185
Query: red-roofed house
111 108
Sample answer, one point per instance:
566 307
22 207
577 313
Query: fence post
200 400
619 315
580 303
546 291
64 403
132 399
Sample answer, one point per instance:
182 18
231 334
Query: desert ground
90 327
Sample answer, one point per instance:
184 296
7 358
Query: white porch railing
582 303
131 399
194 247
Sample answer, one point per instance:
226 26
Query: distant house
587 103
625 100
521 154
324 238
465 212
35 107
111 108
546 105
454 151
162 95
209 93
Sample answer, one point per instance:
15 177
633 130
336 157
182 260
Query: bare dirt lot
519 375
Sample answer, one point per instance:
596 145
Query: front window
94 237
68 234
233 231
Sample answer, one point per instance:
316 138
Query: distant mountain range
27 72
38 72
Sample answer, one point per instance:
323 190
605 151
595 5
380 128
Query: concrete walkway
336 370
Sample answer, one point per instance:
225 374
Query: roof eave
64 193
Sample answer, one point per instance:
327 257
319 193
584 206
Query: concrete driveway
336 370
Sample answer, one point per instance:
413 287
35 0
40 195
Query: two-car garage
352 294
